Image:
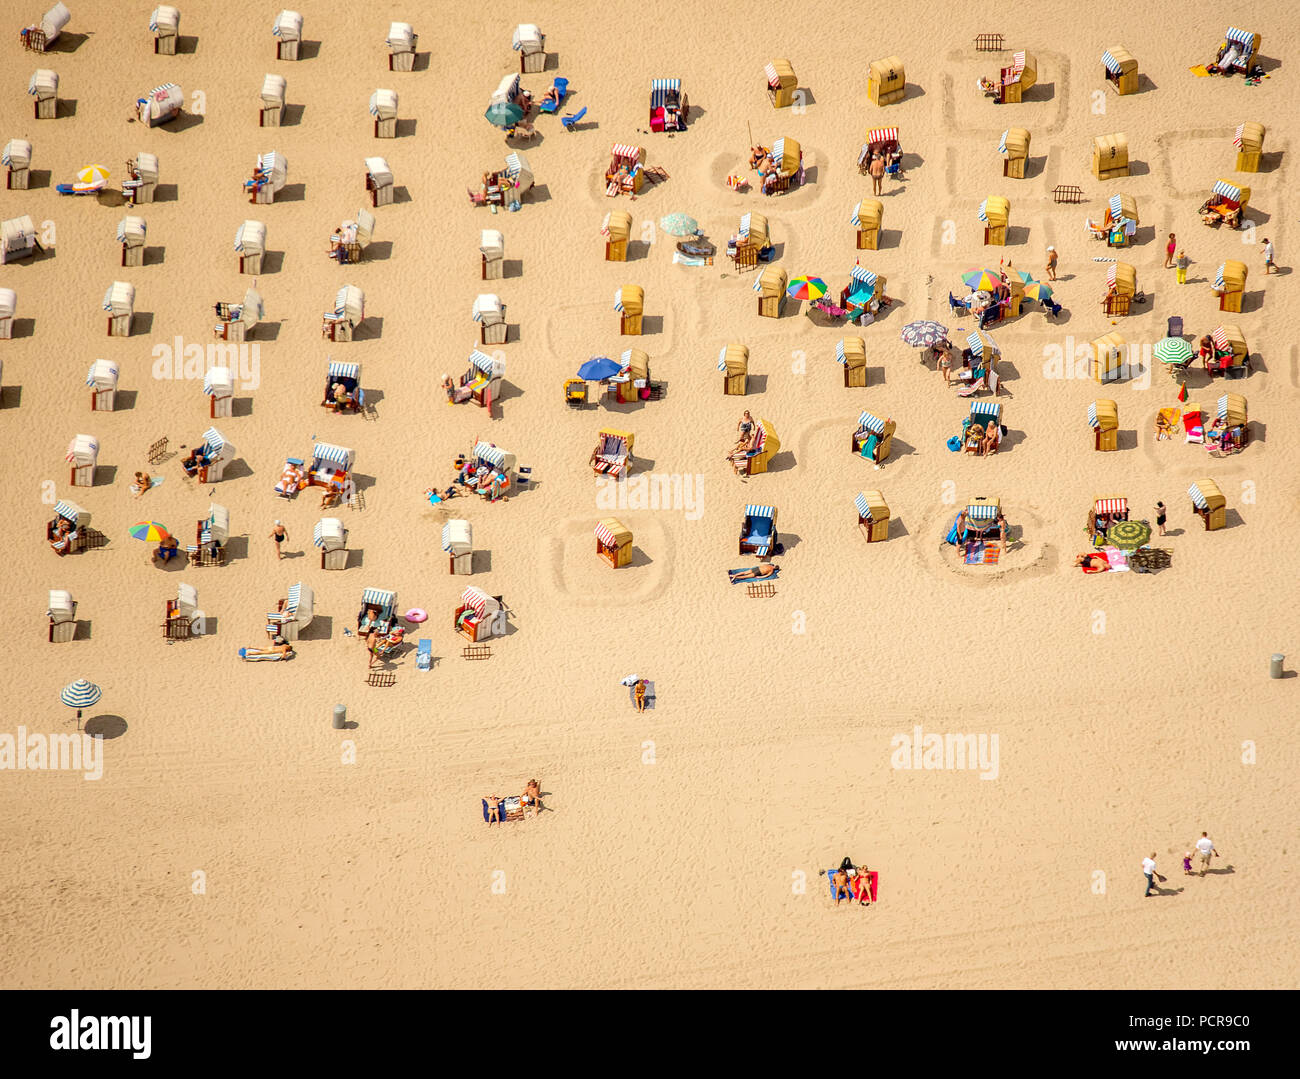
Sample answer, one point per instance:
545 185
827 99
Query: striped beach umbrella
806 288
981 279
1173 350
1036 290
1129 535
923 334
92 174
80 694
149 531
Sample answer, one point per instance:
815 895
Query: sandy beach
236 840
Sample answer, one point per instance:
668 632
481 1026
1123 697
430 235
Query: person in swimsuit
841 883
279 535
531 798
1171 249
61 541
862 886
639 694
494 808
754 573
1160 517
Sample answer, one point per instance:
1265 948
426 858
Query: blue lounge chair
561 87
572 120
424 657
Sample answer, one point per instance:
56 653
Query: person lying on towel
1092 563
282 650
754 573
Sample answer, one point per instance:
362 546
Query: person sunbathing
755 573
551 97
291 479
531 798
988 87
197 459
142 483
1092 563
332 497
282 649
340 399
166 550
639 695
989 443
974 438
862 886
494 808
840 882
61 539
757 154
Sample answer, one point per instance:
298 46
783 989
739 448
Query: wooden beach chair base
760 590
381 678
477 651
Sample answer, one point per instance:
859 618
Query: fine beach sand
770 747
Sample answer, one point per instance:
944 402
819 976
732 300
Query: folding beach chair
561 86
573 119
523 475
424 657
1175 326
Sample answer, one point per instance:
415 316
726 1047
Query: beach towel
992 552
731 574
873 881
869 447
690 260
1118 559
975 554
252 655
1097 569
1193 426
1199 71
649 694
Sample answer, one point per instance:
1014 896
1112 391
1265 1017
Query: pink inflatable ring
416 614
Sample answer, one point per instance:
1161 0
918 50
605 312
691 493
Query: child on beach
1187 863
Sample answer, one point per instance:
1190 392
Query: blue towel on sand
731 574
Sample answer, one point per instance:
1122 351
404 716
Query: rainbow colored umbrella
981 279
149 531
806 288
1036 290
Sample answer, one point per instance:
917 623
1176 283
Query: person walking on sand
877 170
1170 248
1268 256
1149 871
1181 264
1051 263
1205 849
1160 517
279 535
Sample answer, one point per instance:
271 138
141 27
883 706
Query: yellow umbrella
92 174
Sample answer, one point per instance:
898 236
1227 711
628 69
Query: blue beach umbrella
599 368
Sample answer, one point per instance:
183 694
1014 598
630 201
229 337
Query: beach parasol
503 114
679 225
92 174
923 334
599 368
981 279
149 531
1173 350
80 694
1036 290
806 288
1025 276
1128 535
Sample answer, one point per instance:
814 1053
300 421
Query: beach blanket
1118 559
1199 71
252 655
690 260
992 552
974 555
731 574
855 887
649 694
1193 426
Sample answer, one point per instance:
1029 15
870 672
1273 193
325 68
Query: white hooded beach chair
332 539
182 618
102 380
219 453
219 388
458 542
383 107
165 23
235 322
130 235
269 177
8 305
40 36
161 104
17 158
402 42
530 43
271 111
82 455
210 537
62 615
141 181
379 181
44 86
492 245
250 246
490 313
295 615
288 35
119 302
349 312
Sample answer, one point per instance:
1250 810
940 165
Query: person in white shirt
1149 871
1205 848
1268 256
